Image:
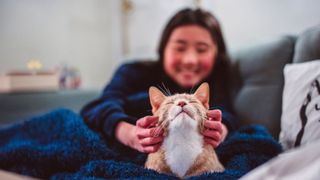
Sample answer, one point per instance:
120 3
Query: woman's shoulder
138 71
140 65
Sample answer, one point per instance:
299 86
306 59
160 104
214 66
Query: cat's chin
184 116
183 120
183 112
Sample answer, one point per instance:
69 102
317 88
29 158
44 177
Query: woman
191 51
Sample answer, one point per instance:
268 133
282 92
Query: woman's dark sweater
126 97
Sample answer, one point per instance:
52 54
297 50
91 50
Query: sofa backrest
307 47
258 76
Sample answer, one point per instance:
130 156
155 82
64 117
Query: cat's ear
202 93
156 98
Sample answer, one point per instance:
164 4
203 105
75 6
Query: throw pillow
300 120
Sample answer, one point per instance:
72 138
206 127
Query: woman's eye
180 49
202 50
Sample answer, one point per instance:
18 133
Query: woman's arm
104 113
107 114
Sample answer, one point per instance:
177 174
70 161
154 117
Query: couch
20 106
258 83
258 76
257 93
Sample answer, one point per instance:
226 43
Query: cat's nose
182 103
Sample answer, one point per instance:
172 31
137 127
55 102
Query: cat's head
189 107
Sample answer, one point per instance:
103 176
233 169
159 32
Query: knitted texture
59 145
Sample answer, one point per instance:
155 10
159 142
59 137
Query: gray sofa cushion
308 45
258 74
21 106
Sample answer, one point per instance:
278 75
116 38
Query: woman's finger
147 121
214 135
151 132
150 141
151 149
215 114
214 125
211 142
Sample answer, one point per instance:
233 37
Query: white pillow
300 104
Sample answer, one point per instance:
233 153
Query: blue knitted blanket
59 145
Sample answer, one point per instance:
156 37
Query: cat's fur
183 152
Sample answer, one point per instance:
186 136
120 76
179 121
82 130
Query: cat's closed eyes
183 152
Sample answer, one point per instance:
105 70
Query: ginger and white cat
183 152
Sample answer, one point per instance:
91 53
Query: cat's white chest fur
183 144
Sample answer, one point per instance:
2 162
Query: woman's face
189 55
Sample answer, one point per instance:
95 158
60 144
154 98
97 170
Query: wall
88 34
244 22
249 21
74 32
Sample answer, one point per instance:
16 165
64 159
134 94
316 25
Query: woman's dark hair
221 71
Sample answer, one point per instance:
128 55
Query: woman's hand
144 136
215 132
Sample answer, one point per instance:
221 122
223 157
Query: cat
183 152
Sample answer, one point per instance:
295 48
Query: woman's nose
190 58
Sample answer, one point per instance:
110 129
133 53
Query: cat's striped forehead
181 96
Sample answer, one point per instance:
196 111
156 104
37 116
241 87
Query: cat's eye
168 103
193 101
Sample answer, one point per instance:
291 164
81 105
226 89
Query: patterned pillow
300 120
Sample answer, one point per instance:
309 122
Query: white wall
146 21
248 21
244 22
88 33
76 32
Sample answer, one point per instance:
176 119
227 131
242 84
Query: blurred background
93 37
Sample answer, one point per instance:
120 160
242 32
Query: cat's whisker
156 132
164 125
163 90
159 126
166 89
192 90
